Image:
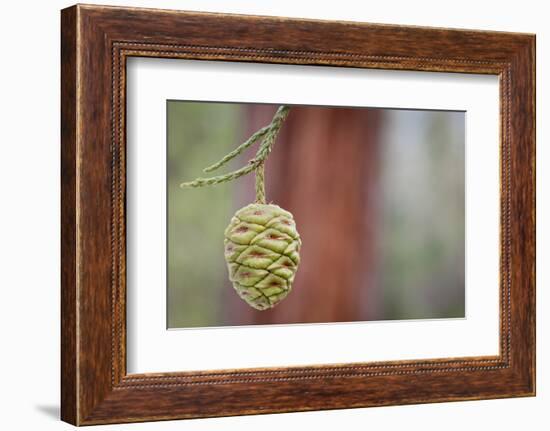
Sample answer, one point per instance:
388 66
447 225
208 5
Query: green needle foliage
267 135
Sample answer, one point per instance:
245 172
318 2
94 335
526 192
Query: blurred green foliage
423 215
198 135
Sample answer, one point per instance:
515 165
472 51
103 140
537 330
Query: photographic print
230 197
288 214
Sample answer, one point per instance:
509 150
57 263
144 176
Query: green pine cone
262 249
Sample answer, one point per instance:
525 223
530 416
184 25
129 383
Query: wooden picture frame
95 43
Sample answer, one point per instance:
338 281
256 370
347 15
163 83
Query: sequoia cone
262 249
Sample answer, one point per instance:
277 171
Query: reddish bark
323 169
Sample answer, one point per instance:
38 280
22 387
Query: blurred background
378 196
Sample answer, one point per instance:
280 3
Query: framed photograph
264 214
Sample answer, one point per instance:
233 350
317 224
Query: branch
268 134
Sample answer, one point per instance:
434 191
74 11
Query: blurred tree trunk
324 169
